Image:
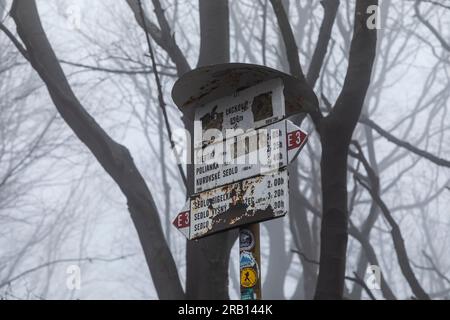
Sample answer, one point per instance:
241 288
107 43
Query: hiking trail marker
243 144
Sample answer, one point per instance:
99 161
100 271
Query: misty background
58 206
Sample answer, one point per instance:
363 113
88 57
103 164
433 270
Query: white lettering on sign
182 220
252 108
248 201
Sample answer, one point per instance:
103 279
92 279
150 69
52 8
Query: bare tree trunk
113 157
333 246
207 259
336 131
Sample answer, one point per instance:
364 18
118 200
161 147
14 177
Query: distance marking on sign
254 153
240 203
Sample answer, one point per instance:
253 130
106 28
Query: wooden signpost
243 144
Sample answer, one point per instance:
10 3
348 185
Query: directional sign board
250 154
252 108
240 203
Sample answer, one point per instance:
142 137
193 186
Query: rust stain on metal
247 201
203 85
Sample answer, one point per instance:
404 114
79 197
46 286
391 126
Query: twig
399 244
15 41
357 279
362 283
116 71
435 268
433 3
430 27
88 259
162 103
436 160
301 254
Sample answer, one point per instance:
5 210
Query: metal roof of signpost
205 84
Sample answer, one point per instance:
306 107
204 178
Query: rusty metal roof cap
205 84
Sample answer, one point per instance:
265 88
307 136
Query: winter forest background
59 206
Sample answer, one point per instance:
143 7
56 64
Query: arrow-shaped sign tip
296 140
183 220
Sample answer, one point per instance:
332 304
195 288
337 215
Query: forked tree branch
399 244
163 37
294 61
330 8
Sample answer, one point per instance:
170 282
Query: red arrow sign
295 140
182 220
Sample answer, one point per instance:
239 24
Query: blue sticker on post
246 240
247 260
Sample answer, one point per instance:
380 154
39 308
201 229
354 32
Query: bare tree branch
372 258
435 268
430 27
162 103
163 37
330 8
113 157
355 279
362 283
436 160
69 260
294 61
399 245
115 71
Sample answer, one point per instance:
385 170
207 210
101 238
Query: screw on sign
249 104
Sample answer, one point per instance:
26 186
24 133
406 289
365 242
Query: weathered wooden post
242 146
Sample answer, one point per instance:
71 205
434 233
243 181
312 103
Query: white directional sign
247 201
252 108
250 154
